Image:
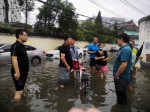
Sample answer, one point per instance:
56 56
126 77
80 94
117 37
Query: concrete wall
45 43
39 42
144 36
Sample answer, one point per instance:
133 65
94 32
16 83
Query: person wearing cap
122 68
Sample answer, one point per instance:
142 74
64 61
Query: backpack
75 65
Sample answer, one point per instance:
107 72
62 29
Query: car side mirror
1 51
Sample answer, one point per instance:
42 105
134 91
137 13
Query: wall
39 42
144 36
45 43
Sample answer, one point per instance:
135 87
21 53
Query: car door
29 52
5 56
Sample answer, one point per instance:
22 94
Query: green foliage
38 28
5 25
115 32
67 20
95 29
52 17
79 35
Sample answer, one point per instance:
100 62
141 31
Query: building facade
106 21
144 36
10 11
129 28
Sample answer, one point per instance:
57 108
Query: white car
54 54
35 55
85 49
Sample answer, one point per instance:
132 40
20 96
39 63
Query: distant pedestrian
65 62
20 63
92 51
101 59
122 68
134 51
133 69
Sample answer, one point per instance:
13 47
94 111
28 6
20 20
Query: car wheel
36 60
80 55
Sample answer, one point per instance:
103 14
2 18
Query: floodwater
42 93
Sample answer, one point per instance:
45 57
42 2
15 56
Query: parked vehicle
54 54
114 48
85 49
35 55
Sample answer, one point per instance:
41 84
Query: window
57 48
27 48
6 48
78 48
32 48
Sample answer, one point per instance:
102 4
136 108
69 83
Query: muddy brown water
42 93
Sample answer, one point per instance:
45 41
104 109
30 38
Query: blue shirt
93 48
124 55
74 52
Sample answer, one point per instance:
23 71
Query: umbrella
140 51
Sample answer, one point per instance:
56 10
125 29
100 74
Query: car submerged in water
35 55
54 54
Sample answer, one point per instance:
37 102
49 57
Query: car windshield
1 45
86 46
57 48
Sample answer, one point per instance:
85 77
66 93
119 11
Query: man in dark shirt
65 62
20 63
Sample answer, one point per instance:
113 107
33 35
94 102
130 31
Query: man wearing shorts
20 63
65 62
92 51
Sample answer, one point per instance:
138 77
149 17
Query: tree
79 35
49 15
67 20
99 27
98 23
115 30
38 27
56 20
26 6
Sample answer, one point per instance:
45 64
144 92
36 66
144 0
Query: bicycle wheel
84 87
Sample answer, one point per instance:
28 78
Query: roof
144 18
121 19
129 25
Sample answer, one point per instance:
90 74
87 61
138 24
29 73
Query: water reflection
42 93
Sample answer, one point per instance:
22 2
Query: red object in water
75 66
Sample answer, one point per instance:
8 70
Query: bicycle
84 79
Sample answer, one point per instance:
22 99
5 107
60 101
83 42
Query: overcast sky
87 8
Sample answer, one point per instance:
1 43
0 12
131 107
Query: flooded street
42 93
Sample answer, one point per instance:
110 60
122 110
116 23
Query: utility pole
26 14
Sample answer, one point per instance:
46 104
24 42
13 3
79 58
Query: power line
143 3
63 9
106 9
69 11
133 7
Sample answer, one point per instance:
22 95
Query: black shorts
23 78
92 61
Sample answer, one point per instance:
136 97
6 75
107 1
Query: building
10 11
144 36
110 21
129 28
106 20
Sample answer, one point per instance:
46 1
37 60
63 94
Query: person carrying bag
101 61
